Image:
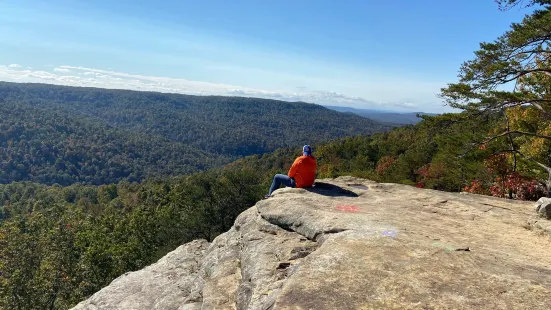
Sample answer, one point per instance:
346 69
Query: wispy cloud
62 70
14 66
91 77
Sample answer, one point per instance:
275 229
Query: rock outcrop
543 207
354 244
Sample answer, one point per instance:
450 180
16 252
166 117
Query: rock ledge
353 244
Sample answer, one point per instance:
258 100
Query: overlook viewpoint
351 243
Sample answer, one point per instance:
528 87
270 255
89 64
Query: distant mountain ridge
51 146
57 134
384 116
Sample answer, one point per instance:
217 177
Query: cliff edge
351 243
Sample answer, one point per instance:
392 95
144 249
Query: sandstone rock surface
354 244
543 207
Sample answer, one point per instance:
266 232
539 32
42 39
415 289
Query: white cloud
90 77
14 66
90 73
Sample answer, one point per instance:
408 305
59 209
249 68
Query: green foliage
521 56
508 4
59 245
48 146
82 237
57 134
437 153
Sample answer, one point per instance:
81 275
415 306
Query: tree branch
511 141
517 132
508 132
548 169
520 73
534 102
539 107
515 52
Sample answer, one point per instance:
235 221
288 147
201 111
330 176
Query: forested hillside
54 134
59 244
439 153
47 145
228 126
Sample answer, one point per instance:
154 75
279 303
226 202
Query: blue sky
392 55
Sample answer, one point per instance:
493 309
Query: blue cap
307 150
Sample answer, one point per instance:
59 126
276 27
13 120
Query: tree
507 4
511 78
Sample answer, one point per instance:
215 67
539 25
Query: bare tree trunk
549 184
513 149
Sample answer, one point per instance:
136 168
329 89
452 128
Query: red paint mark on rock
348 208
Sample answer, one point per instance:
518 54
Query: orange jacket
304 171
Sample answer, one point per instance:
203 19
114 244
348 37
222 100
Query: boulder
543 207
350 243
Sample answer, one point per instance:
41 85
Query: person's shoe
267 196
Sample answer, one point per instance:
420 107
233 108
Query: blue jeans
281 179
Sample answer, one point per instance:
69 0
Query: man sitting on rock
301 174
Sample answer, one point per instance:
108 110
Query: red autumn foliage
424 171
384 163
518 186
476 188
507 183
430 173
497 164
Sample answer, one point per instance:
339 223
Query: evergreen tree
511 78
